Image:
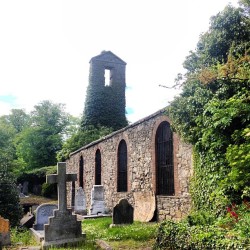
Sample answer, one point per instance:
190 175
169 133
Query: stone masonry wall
140 140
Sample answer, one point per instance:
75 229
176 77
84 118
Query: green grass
134 236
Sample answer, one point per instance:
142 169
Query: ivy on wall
105 105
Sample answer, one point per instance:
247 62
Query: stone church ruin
141 158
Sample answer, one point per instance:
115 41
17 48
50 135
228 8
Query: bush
200 230
9 200
36 176
49 190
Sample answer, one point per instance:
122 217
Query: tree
213 110
38 144
80 139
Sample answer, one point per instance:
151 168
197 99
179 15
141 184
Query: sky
46 46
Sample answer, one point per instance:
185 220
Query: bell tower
105 99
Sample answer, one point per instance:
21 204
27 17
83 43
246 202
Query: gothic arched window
81 172
98 170
164 160
122 175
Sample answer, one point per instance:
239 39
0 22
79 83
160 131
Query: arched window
81 172
98 169
122 175
164 160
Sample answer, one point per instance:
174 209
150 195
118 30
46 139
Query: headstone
4 232
145 206
97 200
37 189
123 213
43 212
63 228
25 190
19 190
80 202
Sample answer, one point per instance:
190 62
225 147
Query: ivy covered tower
105 100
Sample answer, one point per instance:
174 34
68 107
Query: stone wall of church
140 140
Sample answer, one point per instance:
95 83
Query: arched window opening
81 172
122 175
164 160
98 165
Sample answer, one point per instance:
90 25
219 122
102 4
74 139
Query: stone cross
61 178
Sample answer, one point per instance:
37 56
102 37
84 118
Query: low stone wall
174 208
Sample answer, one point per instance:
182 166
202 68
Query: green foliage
7 149
22 236
80 139
49 190
100 229
227 27
203 231
9 204
213 111
37 176
38 144
238 156
105 106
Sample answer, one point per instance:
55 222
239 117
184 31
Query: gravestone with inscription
97 200
43 212
123 213
4 232
80 202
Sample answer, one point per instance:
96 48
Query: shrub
36 176
49 190
9 200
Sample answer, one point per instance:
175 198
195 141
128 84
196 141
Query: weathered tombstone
25 190
63 227
123 213
97 200
37 189
80 202
19 190
43 212
4 232
145 206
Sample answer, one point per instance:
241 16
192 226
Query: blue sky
45 48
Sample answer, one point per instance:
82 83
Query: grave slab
145 206
80 202
97 200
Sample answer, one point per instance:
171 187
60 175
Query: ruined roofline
161 111
99 57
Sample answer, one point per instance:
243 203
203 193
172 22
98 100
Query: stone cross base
61 243
62 228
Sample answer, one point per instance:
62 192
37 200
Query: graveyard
177 178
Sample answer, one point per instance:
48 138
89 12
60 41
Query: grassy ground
135 236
